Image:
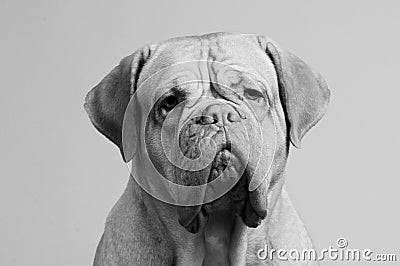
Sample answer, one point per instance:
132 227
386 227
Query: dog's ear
106 103
304 94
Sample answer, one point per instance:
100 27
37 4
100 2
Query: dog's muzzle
220 135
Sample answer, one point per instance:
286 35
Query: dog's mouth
234 160
237 200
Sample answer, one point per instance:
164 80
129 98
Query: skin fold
220 106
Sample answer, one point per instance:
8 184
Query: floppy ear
106 103
304 94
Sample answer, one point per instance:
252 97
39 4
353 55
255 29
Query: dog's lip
194 218
188 214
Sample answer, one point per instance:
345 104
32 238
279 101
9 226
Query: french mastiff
221 106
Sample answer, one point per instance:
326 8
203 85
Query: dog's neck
223 241
225 238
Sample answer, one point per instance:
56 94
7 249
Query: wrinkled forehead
193 63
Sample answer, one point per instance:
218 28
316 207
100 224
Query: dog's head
217 106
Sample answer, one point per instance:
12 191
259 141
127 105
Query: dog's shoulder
128 238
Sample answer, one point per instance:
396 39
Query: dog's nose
221 113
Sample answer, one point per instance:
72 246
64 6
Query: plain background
60 177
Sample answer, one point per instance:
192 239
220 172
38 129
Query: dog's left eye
253 94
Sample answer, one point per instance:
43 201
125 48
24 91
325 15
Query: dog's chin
236 201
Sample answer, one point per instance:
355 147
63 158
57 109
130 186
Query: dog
195 110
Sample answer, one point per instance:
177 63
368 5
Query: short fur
141 230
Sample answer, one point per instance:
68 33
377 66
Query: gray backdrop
60 177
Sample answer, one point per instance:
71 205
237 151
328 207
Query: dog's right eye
169 103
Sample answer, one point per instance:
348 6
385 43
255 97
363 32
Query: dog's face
218 106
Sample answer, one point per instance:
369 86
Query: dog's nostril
233 117
206 120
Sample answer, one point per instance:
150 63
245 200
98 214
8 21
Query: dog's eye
253 94
169 103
